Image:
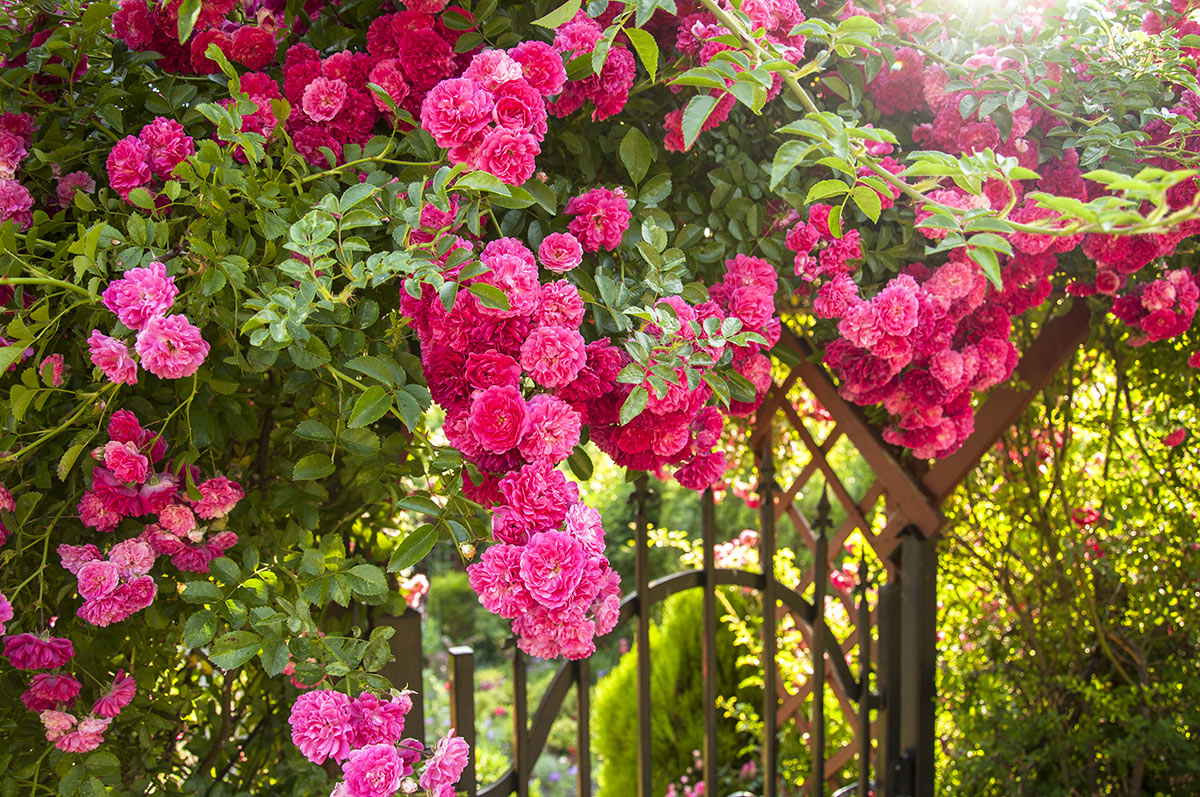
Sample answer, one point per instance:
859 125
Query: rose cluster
153 27
364 735
126 484
113 588
513 380
678 428
408 53
147 159
16 203
493 117
261 89
1160 309
168 346
48 694
608 91
698 38
919 347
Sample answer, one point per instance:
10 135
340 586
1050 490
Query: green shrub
676 695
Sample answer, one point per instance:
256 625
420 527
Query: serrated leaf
868 201
635 154
987 260
421 504
189 12
490 296
824 189
313 430
367 580
312 466
580 463
646 48
635 402
698 109
560 15
413 548
373 367
234 649
372 405
202 592
274 656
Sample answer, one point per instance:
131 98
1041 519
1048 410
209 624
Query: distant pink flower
553 356
15 204
447 763
118 697
49 691
323 98
414 588
6 612
373 771
508 154
53 364
496 418
321 728
112 357
13 150
552 430
602 218
1176 437
170 347
30 652
95 513
541 66
98 579
456 112
218 497
168 144
126 463
141 294
88 735
560 252
56 724
129 165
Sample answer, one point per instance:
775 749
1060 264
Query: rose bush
293 293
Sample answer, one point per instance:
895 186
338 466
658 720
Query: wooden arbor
896 512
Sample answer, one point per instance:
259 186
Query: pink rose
16 204
112 357
168 145
553 356
602 218
126 463
129 166
321 727
141 294
323 98
456 112
491 369
218 497
508 154
560 252
497 418
374 771
552 430
98 579
492 69
170 347
541 66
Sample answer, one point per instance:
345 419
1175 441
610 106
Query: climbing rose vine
294 293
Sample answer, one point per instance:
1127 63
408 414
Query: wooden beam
1056 343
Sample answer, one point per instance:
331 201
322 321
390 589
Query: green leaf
990 240
421 504
490 296
274 656
312 466
580 463
372 405
635 154
826 188
199 628
987 260
367 580
868 201
142 198
313 430
413 548
189 12
645 46
698 109
560 15
378 651
202 592
373 367
482 181
235 649
634 404
68 460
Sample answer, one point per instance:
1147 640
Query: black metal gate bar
462 707
887 618
521 762
864 674
820 577
583 738
766 540
918 654
641 564
708 640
